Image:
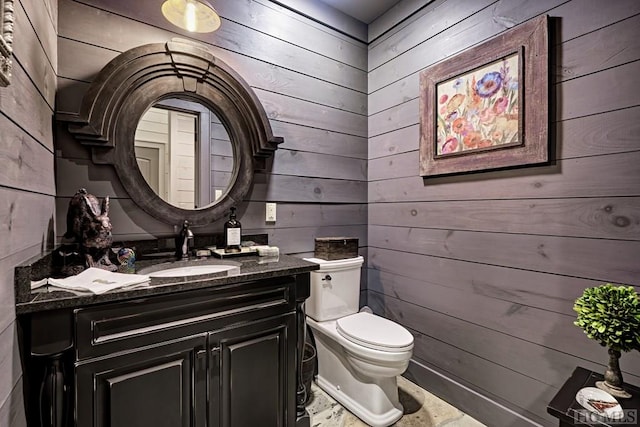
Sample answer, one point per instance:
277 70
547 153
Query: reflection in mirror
184 153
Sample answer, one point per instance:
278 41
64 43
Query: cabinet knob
327 277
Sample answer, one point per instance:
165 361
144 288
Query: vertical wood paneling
27 177
576 215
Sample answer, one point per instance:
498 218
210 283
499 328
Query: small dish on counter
599 402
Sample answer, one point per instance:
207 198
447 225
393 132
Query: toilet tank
335 288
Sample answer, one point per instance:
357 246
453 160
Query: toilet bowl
359 354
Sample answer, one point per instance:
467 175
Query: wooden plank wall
484 268
27 192
310 79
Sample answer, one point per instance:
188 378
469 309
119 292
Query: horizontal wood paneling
484 268
326 15
605 218
400 141
313 91
399 15
568 256
43 18
82 61
581 177
610 47
299 163
552 330
613 90
405 86
500 348
9 361
290 110
26 163
23 103
80 22
283 188
478 27
101 180
611 132
26 218
301 240
298 137
36 64
571 96
524 392
261 16
527 288
456 391
434 19
12 408
27 188
301 215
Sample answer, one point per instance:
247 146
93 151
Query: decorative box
332 248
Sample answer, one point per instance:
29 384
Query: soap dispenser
232 233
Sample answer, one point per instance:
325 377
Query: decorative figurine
127 260
88 223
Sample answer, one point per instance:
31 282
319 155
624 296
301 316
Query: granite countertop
251 268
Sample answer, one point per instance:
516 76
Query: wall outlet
270 212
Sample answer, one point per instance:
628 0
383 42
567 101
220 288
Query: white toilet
359 354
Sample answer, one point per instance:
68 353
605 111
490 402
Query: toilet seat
375 332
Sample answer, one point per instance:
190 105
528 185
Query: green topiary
610 315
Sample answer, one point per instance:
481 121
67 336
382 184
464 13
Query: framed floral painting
487 107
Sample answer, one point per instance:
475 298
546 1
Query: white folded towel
95 280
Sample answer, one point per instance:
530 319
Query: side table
570 413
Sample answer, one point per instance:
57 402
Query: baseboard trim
481 407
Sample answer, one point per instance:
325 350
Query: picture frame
487 107
6 40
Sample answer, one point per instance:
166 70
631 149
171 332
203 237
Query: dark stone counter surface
48 298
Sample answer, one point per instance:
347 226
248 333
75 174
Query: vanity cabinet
213 357
158 386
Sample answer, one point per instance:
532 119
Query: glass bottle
232 233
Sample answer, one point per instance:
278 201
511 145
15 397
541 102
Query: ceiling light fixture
196 16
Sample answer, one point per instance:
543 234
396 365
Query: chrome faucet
182 241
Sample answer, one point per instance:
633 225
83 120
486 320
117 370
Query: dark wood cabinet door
163 386
253 375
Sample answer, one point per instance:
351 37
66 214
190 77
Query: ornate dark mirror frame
136 79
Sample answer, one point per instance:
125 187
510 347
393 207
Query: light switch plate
270 212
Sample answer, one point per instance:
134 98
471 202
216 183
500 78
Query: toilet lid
374 332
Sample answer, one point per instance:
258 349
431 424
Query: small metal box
332 248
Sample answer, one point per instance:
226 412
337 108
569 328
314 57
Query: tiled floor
421 409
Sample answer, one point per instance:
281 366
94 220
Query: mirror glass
184 153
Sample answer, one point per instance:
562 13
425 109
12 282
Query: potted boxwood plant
611 315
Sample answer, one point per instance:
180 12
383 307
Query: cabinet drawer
117 327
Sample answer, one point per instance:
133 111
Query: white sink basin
177 270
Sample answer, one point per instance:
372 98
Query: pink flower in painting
443 110
444 98
459 125
472 139
450 145
501 105
485 143
486 115
497 135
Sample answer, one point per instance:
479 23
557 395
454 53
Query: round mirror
214 164
184 153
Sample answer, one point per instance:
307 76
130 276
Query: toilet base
372 399
379 419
